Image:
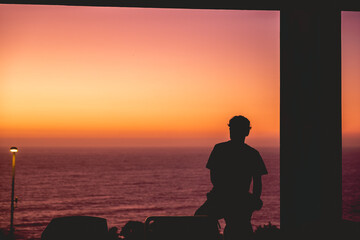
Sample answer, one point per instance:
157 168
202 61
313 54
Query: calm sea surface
122 184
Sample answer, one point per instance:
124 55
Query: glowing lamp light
13 149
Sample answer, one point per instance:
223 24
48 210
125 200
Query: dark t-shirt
233 167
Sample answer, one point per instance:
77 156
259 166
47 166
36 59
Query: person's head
239 127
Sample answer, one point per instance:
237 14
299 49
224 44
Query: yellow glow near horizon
351 73
89 72
133 73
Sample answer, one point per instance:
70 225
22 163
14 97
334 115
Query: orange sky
126 76
351 78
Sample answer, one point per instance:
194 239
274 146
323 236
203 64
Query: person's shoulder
251 149
222 145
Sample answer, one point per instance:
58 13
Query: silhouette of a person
233 165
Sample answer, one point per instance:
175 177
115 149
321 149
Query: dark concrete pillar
310 121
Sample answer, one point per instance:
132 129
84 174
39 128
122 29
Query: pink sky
127 76
120 73
351 78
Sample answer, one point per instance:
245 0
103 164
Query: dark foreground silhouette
181 227
134 230
154 228
75 228
233 166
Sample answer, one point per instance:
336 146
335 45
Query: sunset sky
132 76
350 78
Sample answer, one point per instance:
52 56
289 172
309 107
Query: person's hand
256 202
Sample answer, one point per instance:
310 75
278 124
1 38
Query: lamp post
14 150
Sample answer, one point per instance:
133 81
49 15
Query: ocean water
351 183
122 184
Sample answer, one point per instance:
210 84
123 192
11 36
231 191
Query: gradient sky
86 72
132 76
351 78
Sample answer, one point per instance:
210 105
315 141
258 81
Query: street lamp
14 150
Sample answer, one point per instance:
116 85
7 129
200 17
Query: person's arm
211 166
257 186
213 177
